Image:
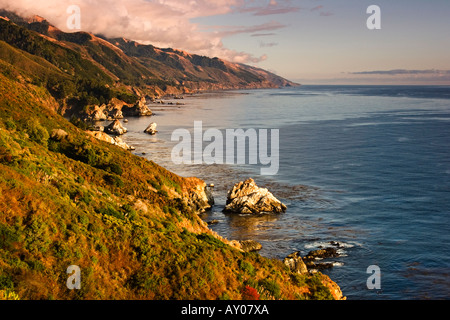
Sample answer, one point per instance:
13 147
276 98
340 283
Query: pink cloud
274 7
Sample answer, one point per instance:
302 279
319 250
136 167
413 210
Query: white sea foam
325 244
338 264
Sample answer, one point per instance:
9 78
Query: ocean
365 166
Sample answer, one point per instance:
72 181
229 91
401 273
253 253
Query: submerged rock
116 128
316 255
247 198
151 129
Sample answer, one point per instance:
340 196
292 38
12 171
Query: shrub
129 212
8 295
113 180
36 132
7 236
250 293
247 267
110 211
5 156
271 286
10 124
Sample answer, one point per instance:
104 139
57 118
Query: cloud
272 8
226 31
267 44
322 13
326 14
262 34
163 23
317 8
396 72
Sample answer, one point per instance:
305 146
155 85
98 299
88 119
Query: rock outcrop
59 134
98 113
140 108
249 245
312 262
117 114
317 255
115 128
151 129
247 198
200 197
117 141
295 263
299 265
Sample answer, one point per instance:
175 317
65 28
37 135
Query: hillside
67 198
128 66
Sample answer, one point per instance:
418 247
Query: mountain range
102 68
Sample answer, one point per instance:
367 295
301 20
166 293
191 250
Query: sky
308 41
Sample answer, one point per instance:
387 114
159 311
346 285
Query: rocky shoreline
244 198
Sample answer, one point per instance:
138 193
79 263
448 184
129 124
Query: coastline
209 174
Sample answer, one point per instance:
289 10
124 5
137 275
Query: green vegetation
73 200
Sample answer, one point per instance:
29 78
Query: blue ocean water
366 166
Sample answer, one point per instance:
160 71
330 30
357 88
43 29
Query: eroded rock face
116 128
200 198
295 263
247 198
140 108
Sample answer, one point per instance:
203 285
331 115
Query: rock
200 197
97 128
98 114
322 253
295 263
117 141
140 108
335 290
311 258
116 128
117 114
151 129
213 222
250 245
247 198
59 134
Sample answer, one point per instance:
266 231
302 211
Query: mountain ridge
180 70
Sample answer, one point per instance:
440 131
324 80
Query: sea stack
116 128
247 198
151 129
